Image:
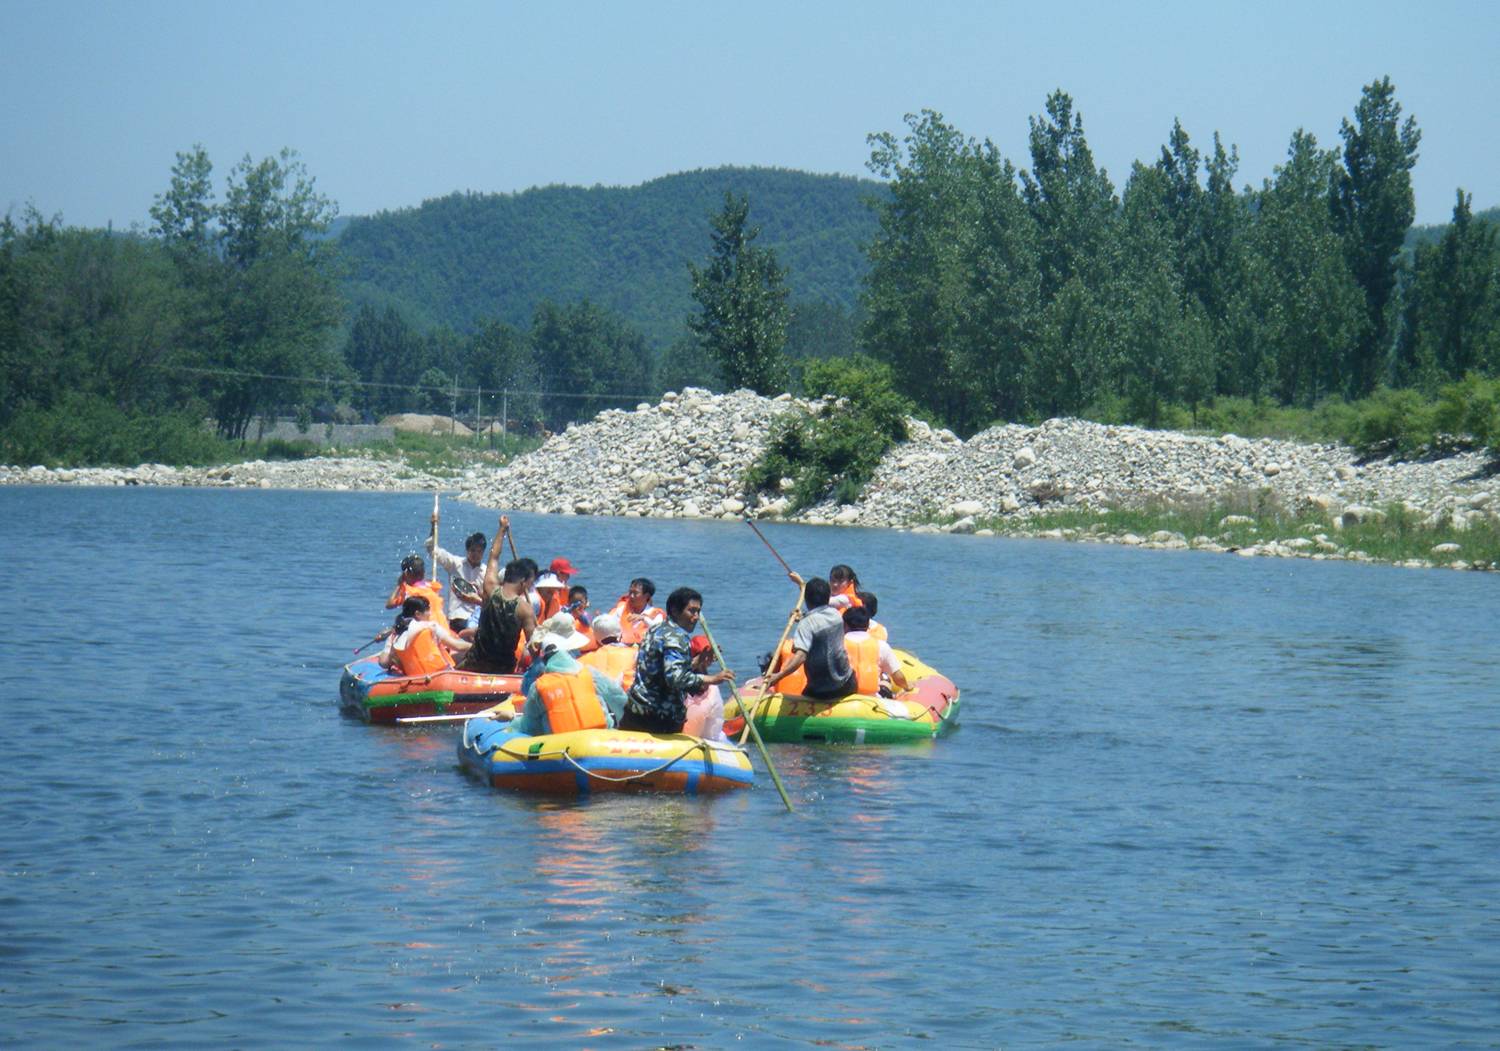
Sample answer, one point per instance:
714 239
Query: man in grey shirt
818 646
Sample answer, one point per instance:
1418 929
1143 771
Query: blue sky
393 103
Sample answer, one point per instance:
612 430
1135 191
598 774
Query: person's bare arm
492 564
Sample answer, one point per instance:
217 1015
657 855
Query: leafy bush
1390 422
282 449
89 430
834 453
1470 409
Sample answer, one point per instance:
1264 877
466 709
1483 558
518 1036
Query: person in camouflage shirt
664 676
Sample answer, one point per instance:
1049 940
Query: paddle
483 714
749 722
763 540
749 715
384 634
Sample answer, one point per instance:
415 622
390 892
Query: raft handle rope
602 777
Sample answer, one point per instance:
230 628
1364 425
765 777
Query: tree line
988 292
1000 293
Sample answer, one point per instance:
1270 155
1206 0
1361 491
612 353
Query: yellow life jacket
878 632
421 655
571 700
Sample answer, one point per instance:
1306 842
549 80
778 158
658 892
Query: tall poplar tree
742 299
1373 207
1453 308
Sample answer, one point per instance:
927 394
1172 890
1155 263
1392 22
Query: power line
330 380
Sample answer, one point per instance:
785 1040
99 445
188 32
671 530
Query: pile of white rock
684 457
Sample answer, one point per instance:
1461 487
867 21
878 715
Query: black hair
414 564
532 570
518 569
677 601
414 605
474 540
856 618
844 572
578 592
870 602
645 585
816 593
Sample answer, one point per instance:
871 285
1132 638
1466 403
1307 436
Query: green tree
1072 201
947 195
1300 286
1373 207
1453 308
587 358
184 215
742 300
386 353
277 304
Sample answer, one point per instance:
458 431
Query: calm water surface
1193 801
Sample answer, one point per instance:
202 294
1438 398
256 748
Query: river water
1193 800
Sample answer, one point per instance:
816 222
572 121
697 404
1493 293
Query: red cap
562 566
698 645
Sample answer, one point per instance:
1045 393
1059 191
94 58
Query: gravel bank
683 458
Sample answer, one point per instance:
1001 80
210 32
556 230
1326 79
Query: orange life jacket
553 600
795 683
428 589
421 655
847 588
633 626
616 662
571 700
864 658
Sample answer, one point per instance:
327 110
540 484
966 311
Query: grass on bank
1395 534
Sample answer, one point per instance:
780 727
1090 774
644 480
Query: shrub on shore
834 452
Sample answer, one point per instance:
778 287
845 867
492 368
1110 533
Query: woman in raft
418 644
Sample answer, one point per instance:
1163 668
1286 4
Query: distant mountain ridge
468 257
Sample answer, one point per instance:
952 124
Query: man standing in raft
818 647
470 568
664 676
507 615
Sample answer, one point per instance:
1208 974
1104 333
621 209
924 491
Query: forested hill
466 257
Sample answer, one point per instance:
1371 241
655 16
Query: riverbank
340 473
1065 479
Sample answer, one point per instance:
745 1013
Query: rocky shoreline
684 457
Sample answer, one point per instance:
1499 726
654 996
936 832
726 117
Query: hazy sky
393 103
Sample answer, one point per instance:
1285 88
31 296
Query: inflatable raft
380 696
587 761
927 710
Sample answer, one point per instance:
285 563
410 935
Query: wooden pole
749 719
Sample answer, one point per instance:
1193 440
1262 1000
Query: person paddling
507 619
664 677
463 602
817 645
